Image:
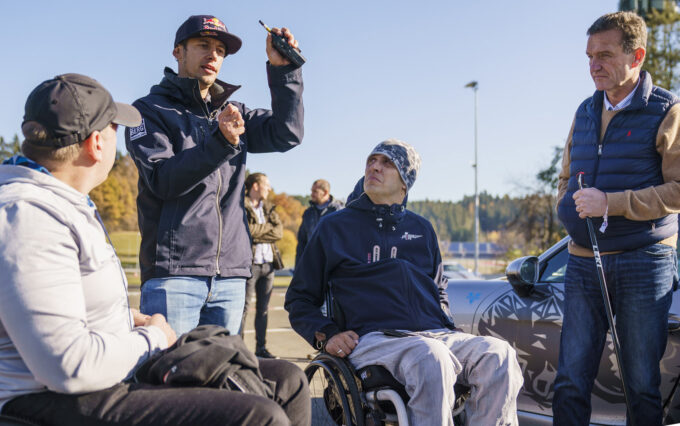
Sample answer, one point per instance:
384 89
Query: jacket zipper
219 221
600 145
207 115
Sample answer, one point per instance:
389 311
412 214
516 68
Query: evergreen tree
536 225
8 149
4 150
663 46
663 40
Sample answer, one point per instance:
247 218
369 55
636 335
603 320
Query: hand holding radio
282 48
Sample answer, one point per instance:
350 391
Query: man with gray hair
321 203
385 269
625 138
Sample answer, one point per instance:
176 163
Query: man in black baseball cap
70 341
191 151
71 106
71 120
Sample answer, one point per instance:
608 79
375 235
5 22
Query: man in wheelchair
382 266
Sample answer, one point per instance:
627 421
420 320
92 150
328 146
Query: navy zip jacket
190 202
383 267
310 218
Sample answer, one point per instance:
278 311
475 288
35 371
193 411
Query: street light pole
474 85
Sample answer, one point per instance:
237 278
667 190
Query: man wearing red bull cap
191 151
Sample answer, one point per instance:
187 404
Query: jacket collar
331 201
639 101
266 205
360 201
186 89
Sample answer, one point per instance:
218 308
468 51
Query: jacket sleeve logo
138 132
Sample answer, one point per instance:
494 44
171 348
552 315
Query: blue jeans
640 286
191 301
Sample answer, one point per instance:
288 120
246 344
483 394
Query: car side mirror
522 273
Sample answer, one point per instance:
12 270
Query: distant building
463 249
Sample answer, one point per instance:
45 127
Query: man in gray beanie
386 272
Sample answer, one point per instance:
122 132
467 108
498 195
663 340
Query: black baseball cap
207 26
72 106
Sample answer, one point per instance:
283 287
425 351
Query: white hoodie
65 322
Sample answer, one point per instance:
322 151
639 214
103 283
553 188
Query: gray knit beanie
403 155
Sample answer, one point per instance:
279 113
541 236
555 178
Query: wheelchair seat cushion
377 377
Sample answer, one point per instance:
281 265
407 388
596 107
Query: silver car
455 271
525 309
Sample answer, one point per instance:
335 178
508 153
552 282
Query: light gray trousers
430 362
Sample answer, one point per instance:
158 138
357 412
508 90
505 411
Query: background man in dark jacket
320 204
265 230
625 139
191 153
382 265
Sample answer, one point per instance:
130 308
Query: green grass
282 281
127 247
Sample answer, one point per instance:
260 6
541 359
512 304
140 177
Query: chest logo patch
138 132
409 237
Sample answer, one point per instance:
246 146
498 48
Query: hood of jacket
45 186
186 89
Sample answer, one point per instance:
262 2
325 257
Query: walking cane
607 304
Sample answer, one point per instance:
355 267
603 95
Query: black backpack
207 356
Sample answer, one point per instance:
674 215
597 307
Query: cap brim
127 115
232 42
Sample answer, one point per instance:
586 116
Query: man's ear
639 56
93 146
176 52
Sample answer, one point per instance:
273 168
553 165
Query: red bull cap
208 26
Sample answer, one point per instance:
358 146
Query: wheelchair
369 396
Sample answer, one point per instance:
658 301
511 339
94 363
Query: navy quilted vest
626 158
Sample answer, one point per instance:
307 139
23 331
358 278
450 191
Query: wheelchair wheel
334 392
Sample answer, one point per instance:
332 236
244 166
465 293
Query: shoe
264 353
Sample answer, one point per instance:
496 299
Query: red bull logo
213 24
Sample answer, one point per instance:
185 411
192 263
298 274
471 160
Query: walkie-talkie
291 53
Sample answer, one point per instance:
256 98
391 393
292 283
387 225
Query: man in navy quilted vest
625 139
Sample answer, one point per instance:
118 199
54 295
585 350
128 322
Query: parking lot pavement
282 341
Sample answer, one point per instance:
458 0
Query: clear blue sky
376 69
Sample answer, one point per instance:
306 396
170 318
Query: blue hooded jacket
383 266
190 202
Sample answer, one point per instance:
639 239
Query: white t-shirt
263 251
